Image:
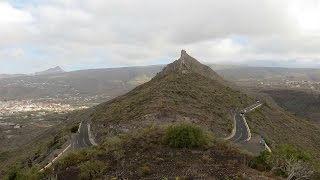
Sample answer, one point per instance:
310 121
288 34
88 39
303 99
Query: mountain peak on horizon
54 70
188 64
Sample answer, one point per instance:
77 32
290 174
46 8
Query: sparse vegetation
71 159
37 151
142 154
288 161
18 172
205 159
144 170
304 104
92 169
278 127
170 99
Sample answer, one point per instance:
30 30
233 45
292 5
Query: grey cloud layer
139 32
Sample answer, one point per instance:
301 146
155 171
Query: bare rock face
187 64
182 62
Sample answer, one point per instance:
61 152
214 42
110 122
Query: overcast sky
81 34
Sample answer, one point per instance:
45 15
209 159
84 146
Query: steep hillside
301 103
37 150
142 155
280 127
185 90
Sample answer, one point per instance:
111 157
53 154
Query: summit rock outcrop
188 64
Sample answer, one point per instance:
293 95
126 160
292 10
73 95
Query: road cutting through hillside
242 131
82 139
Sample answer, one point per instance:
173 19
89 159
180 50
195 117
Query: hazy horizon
218 64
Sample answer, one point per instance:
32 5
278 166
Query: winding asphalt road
242 131
81 140
241 135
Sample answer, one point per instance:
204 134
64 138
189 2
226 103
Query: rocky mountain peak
183 53
188 64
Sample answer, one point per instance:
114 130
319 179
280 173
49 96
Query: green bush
17 172
92 169
71 159
13 173
260 162
184 136
112 143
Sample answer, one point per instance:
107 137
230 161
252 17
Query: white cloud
11 15
15 25
139 32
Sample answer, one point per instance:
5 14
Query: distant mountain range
10 75
116 81
230 72
55 70
83 83
50 71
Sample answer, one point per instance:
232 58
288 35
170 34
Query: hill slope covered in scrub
185 91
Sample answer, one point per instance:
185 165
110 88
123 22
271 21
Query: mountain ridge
50 71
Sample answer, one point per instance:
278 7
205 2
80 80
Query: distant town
29 118
8 108
285 83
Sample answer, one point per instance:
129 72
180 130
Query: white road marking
254 107
91 139
238 137
84 142
248 129
245 121
267 147
79 127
